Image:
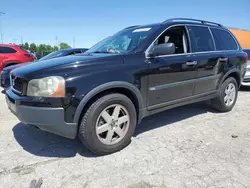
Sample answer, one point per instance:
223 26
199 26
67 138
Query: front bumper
45 118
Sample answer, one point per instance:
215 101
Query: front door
171 77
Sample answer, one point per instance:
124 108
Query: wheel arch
125 88
9 63
235 73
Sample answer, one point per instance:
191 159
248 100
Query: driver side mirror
163 49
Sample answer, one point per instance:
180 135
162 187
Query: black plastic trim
180 102
165 86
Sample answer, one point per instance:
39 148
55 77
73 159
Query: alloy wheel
230 94
112 124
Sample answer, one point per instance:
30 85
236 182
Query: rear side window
201 39
223 40
7 50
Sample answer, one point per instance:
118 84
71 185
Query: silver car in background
246 79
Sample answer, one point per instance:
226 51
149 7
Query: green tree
42 48
64 45
55 48
22 46
49 48
26 46
33 47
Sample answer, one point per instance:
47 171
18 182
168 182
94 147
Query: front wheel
108 124
227 95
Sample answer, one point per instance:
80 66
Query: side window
78 52
201 39
223 40
176 35
75 52
7 50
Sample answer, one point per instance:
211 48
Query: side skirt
176 103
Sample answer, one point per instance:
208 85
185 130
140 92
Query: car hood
58 63
10 68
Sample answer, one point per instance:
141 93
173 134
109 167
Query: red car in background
12 54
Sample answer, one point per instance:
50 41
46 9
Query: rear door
232 55
6 54
207 58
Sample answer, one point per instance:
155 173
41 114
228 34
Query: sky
44 21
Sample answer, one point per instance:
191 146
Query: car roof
9 45
182 21
192 21
141 26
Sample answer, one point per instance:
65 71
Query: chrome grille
16 84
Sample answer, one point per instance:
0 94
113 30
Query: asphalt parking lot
190 146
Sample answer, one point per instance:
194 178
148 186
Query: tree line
43 47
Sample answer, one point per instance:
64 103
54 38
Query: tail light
247 57
30 56
27 55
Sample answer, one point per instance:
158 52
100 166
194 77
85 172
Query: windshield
52 55
124 41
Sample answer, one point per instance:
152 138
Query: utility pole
22 40
14 41
1 29
56 41
74 42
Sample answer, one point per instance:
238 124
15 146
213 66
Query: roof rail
192 20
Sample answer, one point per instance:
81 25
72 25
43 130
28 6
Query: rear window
201 39
7 50
223 40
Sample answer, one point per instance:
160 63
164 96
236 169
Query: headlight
53 86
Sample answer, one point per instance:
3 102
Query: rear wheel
227 95
108 124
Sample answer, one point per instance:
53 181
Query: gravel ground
190 146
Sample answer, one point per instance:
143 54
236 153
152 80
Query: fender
107 86
235 70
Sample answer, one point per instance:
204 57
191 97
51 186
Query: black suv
142 70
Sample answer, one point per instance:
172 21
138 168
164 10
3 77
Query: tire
219 103
98 143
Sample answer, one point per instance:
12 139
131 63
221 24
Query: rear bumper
45 118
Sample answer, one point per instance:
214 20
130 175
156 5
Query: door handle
223 59
191 63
